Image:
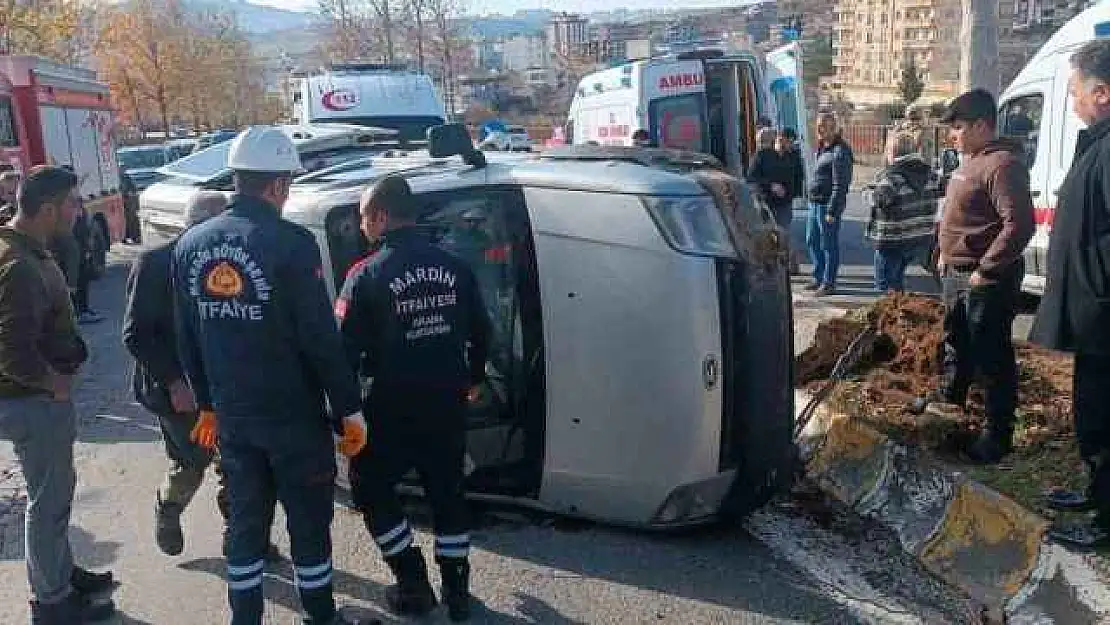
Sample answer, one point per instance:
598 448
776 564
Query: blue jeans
890 268
823 241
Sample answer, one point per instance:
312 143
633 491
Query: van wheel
101 241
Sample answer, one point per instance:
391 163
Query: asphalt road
799 560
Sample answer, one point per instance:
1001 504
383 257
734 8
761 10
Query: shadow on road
108 411
280 588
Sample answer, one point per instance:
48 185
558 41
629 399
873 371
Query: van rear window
679 122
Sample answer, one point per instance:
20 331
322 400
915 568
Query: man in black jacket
1074 314
159 383
412 318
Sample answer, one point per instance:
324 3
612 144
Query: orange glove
204 432
354 435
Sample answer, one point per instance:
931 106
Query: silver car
641 367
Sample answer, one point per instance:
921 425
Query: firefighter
412 316
261 349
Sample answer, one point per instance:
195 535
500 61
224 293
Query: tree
446 43
48 28
417 10
910 86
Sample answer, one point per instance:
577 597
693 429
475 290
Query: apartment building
565 33
528 51
873 40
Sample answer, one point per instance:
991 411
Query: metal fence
868 141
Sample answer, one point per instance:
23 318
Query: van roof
1088 25
623 172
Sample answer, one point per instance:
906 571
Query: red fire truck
60 115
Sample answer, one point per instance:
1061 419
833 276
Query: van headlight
692 225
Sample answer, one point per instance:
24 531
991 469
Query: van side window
1021 121
480 226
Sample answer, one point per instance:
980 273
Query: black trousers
978 324
1091 407
263 463
422 429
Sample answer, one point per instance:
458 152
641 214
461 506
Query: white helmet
264 149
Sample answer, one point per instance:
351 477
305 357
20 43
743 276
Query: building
1046 14
522 52
565 33
874 41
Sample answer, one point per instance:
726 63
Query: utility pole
979 67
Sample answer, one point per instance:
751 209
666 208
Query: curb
974 538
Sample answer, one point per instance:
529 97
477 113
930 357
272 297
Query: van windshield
679 122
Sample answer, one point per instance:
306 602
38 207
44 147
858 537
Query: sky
507 7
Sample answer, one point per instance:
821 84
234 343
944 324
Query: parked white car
514 139
162 205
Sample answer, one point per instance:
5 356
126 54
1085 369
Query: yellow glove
354 435
204 432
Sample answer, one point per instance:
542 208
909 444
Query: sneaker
87 583
938 402
1068 500
88 317
73 610
1079 536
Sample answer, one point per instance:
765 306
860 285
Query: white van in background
704 101
1037 110
382 96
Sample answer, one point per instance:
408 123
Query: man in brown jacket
40 351
987 222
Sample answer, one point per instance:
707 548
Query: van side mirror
454 140
449 140
949 161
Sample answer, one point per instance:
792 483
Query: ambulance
382 96
1036 110
702 101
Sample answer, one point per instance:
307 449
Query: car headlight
692 225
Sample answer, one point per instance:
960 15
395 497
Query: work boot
456 587
412 595
991 447
73 610
812 286
88 583
167 527
824 290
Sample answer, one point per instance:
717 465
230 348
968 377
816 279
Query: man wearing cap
260 348
986 224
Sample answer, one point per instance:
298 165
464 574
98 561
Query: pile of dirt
904 362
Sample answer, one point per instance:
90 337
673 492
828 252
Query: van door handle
1035 194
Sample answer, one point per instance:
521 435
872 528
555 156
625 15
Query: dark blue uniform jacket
256 333
412 316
